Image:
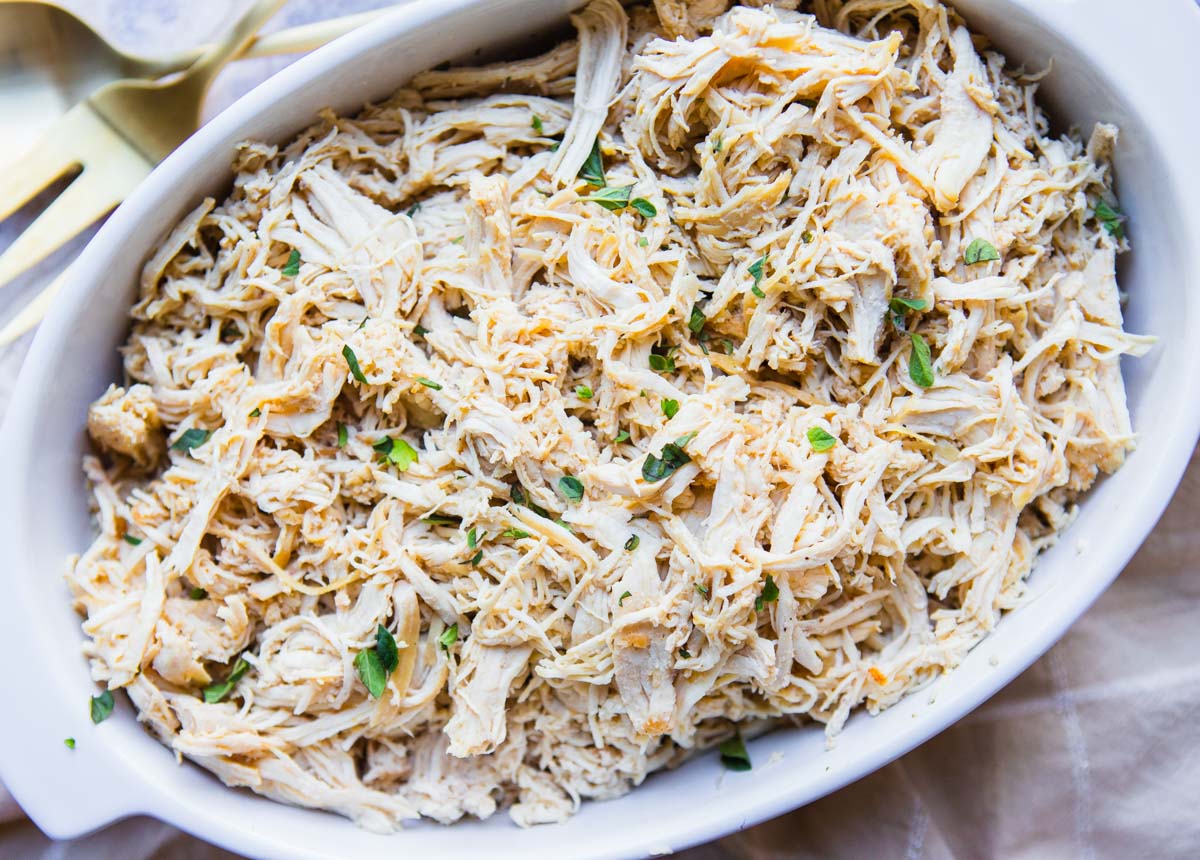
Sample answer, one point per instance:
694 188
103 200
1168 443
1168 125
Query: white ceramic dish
1139 71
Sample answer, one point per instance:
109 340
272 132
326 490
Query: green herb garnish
980 251
806 237
770 594
583 392
442 520
449 637
475 559
611 198
214 693
352 361
622 436
520 497
292 267
900 306
643 242
420 330
256 413
685 653
371 672
643 207
632 543
70 743
197 593
397 452
342 435
472 538
734 755
190 439
920 363
756 271
670 408
571 487
1111 218
131 540
536 122
429 383
515 533
697 320
672 456
621 599
702 589
592 170
102 706
662 362
820 440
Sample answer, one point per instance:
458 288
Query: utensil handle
308 37
234 43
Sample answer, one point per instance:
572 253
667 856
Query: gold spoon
48 53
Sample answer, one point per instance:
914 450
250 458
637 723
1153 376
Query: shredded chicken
617 464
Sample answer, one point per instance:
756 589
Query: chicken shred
617 473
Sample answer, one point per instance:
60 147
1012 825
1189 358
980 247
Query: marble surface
1094 752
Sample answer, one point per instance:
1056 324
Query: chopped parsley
397 452
820 440
663 362
215 692
1111 218
592 170
900 305
734 755
420 330
611 198
571 487
632 543
583 392
370 672
670 408
806 237
102 706
643 242
515 533
385 647
621 599
685 653
442 520
429 383
756 271
536 122
413 210
702 589
292 267
475 559
920 364
980 251
622 436
257 412
697 320
131 540
473 538
458 240
197 593
342 435
189 439
672 456
449 637
643 207
352 361
770 594
70 743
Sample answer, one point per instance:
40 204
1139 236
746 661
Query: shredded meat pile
529 431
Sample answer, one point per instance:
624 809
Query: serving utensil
117 133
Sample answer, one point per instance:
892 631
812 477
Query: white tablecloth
1092 753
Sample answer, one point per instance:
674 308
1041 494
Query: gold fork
115 137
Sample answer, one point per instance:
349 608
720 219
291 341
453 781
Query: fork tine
112 170
32 313
55 154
